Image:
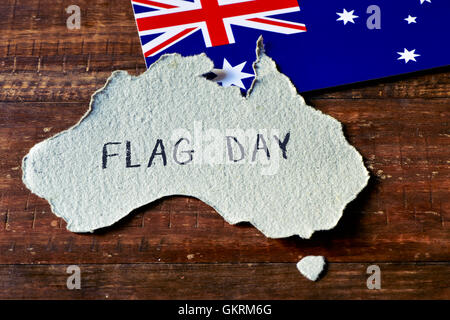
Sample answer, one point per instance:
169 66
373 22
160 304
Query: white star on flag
411 19
346 16
408 55
422 1
229 76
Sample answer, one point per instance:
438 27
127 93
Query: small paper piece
311 267
266 158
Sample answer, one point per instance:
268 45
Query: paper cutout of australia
266 158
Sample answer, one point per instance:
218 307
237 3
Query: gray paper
311 267
98 171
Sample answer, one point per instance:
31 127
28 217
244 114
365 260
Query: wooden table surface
180 248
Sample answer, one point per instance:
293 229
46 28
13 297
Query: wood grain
400 221
223 281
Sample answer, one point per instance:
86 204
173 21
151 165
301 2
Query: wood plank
75 78
403 214
223 281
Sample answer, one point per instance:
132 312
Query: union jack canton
174 20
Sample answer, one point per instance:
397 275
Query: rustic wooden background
180 247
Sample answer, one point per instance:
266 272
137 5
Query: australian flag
317 44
